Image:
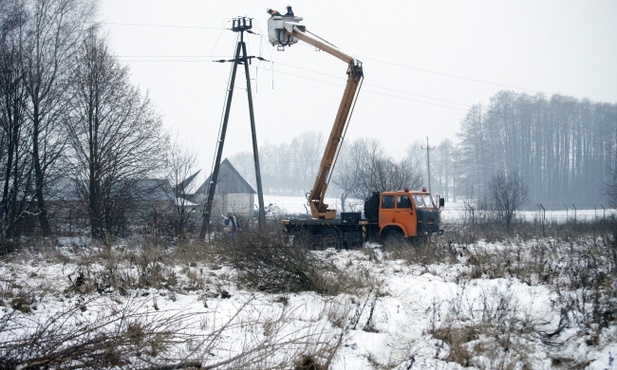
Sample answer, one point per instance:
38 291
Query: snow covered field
546 303
403 316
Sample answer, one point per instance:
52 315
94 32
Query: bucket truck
388 216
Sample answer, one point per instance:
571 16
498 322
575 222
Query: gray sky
425 63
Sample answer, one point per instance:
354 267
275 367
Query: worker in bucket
273 13
290 13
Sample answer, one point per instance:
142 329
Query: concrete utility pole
240 25
428 163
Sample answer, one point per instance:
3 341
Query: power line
462 107
218 59
452 75
206 59
174 56
202 58
400 65
160 25
337 77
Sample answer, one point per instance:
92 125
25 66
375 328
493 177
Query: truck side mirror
442 202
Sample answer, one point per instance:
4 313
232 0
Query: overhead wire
218 37
212 58
462 105
261 55
450 75
159 25
443 103
222 59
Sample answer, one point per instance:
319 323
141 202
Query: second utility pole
428 163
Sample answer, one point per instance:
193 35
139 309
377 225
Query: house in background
232 193
151 205
131 204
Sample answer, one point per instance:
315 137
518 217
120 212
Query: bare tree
15 164
365 168
507 193
307 150
444 168
114 136
357 173
611 186
181 170
474 153
48 42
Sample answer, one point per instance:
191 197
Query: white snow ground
386 326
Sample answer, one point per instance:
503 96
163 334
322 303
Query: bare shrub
487 229
506 192
484 227
307 362
192 252
91 335
587 287
269 337
23 301
538 261
137 265
458 340
579 270
152 262
364 317
424 253
483 329
269 263
119 337
492 261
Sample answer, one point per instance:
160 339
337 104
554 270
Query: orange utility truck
388 216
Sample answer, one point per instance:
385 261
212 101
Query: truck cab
404 214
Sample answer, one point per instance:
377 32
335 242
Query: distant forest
564 149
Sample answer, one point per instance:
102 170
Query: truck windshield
423 201
428 201
419 201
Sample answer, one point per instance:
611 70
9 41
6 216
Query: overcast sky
425 63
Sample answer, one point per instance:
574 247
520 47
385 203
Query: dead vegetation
489 331
121 336
482 325
271 264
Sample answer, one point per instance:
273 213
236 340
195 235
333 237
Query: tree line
69 120
562 149
363 167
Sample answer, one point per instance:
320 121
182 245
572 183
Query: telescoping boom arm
285 31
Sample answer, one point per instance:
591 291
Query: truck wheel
392 238
302 238
329 238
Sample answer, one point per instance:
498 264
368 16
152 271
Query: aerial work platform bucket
280 29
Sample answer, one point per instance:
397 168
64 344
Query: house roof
229 181
66 189
153 189
184 185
